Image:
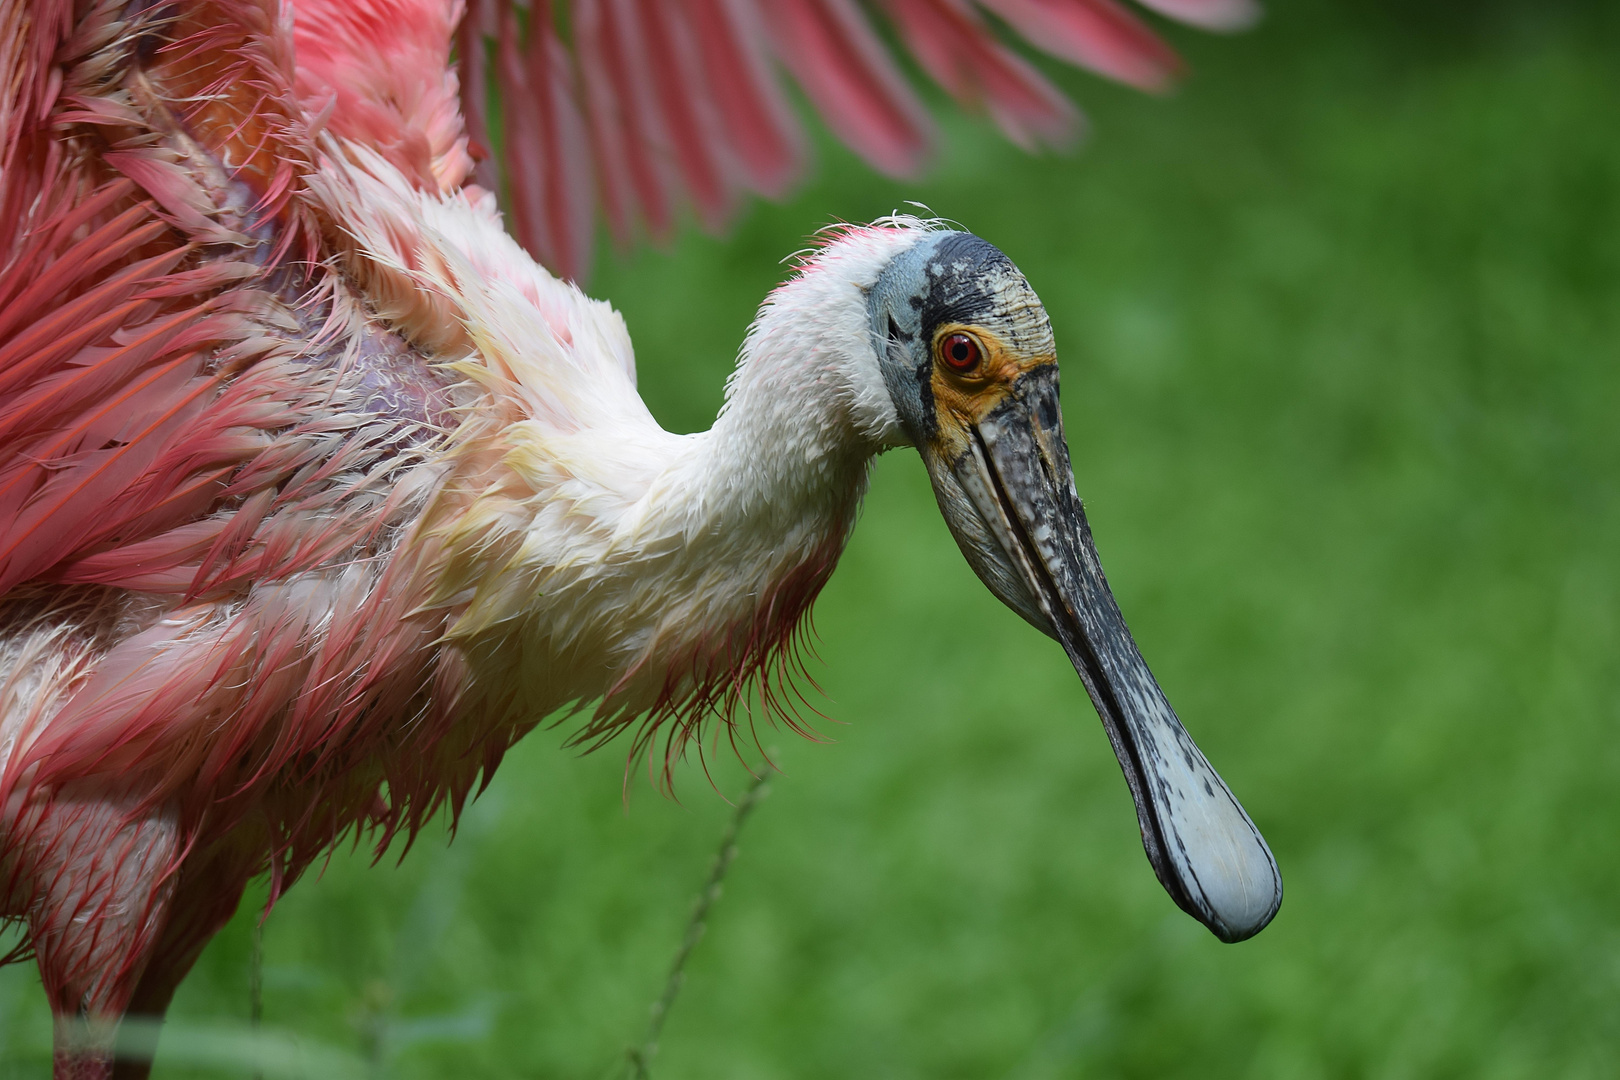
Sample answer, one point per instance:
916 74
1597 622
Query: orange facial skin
961 398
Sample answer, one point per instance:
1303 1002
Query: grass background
1340 325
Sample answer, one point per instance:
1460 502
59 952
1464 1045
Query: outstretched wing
652 103
642 106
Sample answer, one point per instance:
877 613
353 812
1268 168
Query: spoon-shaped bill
1206 852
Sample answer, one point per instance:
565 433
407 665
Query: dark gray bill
1206 852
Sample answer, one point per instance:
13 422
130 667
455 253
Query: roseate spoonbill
317 492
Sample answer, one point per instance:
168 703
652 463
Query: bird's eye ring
960 353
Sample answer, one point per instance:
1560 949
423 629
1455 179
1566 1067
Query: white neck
616 561
805 410
663 596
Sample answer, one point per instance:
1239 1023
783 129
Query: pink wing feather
681 101
545 140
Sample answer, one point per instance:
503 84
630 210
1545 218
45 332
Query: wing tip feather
707 120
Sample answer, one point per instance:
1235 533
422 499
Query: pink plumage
681 102
381 72
259 429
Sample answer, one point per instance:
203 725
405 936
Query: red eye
960 353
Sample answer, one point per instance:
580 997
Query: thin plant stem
640 1057
256 990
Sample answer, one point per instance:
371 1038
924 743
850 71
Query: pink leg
99 885
115 919
209 890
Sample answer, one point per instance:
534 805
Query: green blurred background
1340 324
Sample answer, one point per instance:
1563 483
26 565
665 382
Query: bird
318 489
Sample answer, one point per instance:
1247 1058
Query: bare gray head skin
967 355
